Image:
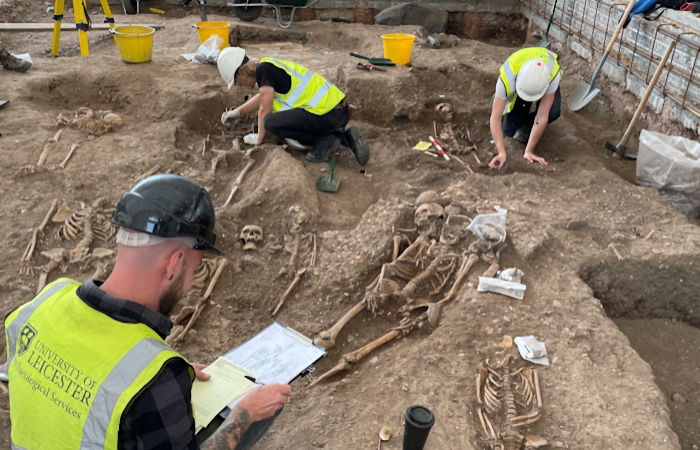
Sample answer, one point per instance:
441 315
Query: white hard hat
230 59
532 80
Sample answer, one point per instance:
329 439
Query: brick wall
586 27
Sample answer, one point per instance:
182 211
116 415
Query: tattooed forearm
230 433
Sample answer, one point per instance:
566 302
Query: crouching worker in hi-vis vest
529 79
87 364
294 103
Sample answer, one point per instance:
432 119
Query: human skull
454 230
251 237
445 111
426 197
113 121
85 111
427 214
299 220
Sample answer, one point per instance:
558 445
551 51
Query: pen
249 378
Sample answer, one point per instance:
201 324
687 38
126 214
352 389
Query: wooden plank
48 26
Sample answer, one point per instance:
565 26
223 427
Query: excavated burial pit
655 303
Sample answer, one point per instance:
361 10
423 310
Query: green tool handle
375 61
357 55
330 174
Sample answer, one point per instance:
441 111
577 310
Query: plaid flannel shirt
160 416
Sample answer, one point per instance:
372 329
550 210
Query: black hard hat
169 206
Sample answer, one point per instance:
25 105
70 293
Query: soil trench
599 253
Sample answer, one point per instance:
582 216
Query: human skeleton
509 399
90 224
426 267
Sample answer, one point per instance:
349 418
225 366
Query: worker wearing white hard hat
294 103
228 62
528 79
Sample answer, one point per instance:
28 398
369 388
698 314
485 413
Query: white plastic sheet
532 350
503 287
671 164
490 227
207 52
23 56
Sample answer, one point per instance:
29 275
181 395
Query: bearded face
171 296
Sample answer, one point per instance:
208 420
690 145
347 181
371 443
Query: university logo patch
26 335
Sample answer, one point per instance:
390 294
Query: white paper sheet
277 354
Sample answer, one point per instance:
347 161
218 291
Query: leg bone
294 282
326 339
352 358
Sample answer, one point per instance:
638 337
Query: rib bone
179 332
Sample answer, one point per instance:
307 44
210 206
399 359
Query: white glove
251 139
229 118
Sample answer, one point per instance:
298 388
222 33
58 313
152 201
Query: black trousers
304 126
521 117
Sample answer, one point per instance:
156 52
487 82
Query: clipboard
278 354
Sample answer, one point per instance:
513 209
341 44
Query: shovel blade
621 149
328 184
583 94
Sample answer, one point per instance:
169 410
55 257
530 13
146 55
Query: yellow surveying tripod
82 23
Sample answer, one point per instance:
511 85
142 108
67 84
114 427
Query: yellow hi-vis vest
512 66
73 370
309 90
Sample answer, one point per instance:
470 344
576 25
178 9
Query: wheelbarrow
134 7
249 10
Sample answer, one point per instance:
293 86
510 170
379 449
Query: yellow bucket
398 46
206 29
135 42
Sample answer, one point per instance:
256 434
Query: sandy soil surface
587 238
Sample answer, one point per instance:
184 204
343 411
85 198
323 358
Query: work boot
522 135
353 140
324 146
296 145
11 62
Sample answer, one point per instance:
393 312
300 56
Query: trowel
328 183
375 61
